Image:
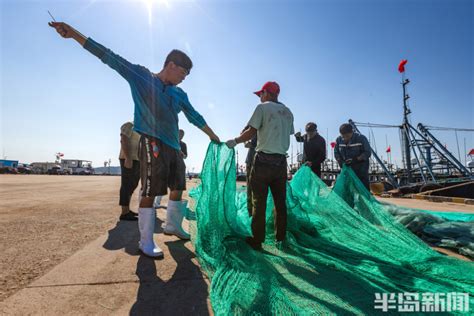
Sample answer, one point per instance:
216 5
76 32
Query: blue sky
334 60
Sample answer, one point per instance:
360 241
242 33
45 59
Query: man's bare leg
125 210
176 195
147 201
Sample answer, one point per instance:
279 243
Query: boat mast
406 127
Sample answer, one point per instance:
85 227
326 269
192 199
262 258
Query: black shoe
253 244
130 216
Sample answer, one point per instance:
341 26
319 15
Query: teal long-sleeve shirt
156 105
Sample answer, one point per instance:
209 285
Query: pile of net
342 248
454 231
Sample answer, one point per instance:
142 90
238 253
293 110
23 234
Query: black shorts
161 167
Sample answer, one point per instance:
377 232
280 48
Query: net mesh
342 247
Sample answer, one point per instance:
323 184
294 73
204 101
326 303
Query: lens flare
150 5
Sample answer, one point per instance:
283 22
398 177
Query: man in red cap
272 122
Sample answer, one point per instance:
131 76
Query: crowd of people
152 150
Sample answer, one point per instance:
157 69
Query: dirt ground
45 219
432 206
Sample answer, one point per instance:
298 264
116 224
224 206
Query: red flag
333 144
401 66
471 152
389 150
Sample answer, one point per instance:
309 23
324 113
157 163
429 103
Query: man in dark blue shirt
157 101
353 149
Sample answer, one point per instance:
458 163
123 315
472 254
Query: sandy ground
60 239
45 219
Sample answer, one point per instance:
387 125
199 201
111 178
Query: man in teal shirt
158 101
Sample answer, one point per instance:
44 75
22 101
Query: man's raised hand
67 31
215 138
63 29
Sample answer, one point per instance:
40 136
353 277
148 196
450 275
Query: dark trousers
362 172
364 178
265 176
316 168
130 178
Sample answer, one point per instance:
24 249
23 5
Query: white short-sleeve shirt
274 124
134 141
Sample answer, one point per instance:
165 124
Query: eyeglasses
183 69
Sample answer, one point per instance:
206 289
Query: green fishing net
342 247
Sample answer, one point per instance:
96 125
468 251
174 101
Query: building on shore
8 163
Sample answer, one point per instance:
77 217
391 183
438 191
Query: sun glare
150 5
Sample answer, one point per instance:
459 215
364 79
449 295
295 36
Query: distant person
158 101
184 154
353 149
251 145
130 169
272 122
314 147
184 147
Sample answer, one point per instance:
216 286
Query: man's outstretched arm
68 31
195 118
126 69
246 135
209 132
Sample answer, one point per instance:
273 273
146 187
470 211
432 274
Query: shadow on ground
185 292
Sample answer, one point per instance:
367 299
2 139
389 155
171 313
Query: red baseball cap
270 86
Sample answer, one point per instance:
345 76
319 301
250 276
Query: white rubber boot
157 201
174 219
146 224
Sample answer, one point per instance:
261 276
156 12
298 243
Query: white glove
231 143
